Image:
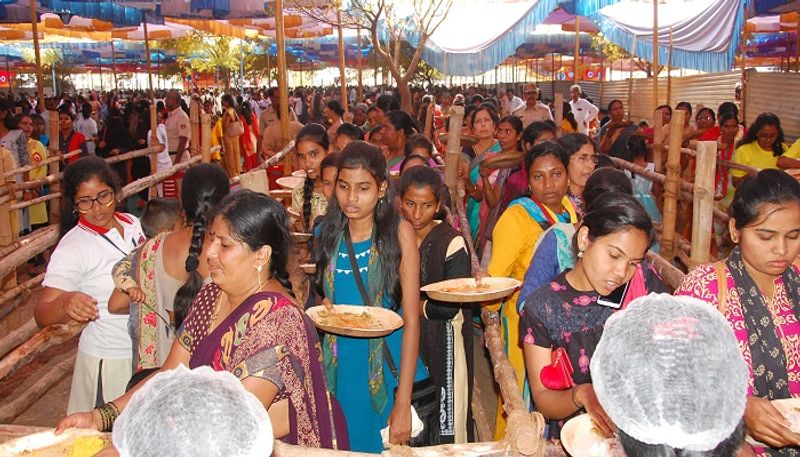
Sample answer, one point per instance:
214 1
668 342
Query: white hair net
668 371
193 413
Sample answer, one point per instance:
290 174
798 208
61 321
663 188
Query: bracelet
580 407
108 414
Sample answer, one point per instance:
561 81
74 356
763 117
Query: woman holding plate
362 227
757 289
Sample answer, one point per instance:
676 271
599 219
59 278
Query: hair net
668 371
193 413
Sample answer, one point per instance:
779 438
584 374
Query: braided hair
203 187
317 134
259 220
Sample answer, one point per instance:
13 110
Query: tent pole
114 64
575 68
669 68
100 72
360 97
282 83
342 77
153 113
797 46
552 73
630 77
39 80
655 53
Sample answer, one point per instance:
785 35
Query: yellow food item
86 446
350 320
467 288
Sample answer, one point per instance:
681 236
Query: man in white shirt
178 127
583 111
533 110
514 102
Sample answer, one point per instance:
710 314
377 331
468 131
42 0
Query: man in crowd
533 110
584 111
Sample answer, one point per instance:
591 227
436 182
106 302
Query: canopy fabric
705 33
488 42
111 11
775 23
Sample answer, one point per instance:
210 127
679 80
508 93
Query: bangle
574 402
108 414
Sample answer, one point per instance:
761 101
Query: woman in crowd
582 159
757 289
763 147
483 124
86 126
566 315
231 155
726 134
517 232
333 113
397 128
311 146
114 140
78 282
162 277
445 330
246 322
250 138
11 137
36 215
69 140
362 226
613 136
517 183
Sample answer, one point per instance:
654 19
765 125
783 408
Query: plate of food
290 182
355 320
790 409
299 174
74 442
292 213
467 290
582 438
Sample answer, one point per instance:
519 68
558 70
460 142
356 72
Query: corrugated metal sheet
775 93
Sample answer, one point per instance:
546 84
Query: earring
580 254
260 284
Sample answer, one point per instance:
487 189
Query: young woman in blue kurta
388 262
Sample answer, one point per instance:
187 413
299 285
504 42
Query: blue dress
363 422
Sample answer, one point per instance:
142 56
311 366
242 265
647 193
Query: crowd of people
207 276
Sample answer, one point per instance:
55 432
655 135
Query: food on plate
604 447
86 446
793 416
467 288
363 320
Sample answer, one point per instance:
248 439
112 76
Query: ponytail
308 189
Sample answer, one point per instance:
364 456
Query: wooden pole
558 101
630 78
552 74
672 185
114 64
654 61
52 151
37 55
797 47
452 156
703 201
658 146
283 86
669 69
342 76
152 96
360 97
575 68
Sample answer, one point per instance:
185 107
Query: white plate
301 237
47 444
462 290
299 174
581 438
388 321
290 182
308 268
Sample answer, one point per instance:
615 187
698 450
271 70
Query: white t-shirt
584 112
87 127
82 262
163 160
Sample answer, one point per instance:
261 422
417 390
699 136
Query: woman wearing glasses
78 281
763 147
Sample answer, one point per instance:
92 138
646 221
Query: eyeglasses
586 159
85 204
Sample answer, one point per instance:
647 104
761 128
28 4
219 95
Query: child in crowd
161 215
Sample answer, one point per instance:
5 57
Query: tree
205 53
613 52
387 18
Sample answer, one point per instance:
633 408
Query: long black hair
259 220
204 186
613 212
763 120
355 155
420 177
314 133
82 170
767 187
401 120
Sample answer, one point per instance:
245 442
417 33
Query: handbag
558 375
234 128
424 393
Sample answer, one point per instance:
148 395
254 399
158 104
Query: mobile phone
615 298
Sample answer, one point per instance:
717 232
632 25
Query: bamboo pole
558 101
428 130
668 272
360 97
17 337
672 184
658 147
205 151
52 169
152 96
669 69
38 343
654 61
37 56
630 78
342 76
195 108
46 378
453 149
7 303
703 204
575 68
282 83
114 64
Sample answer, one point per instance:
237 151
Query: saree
267 337
473 206
613 139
